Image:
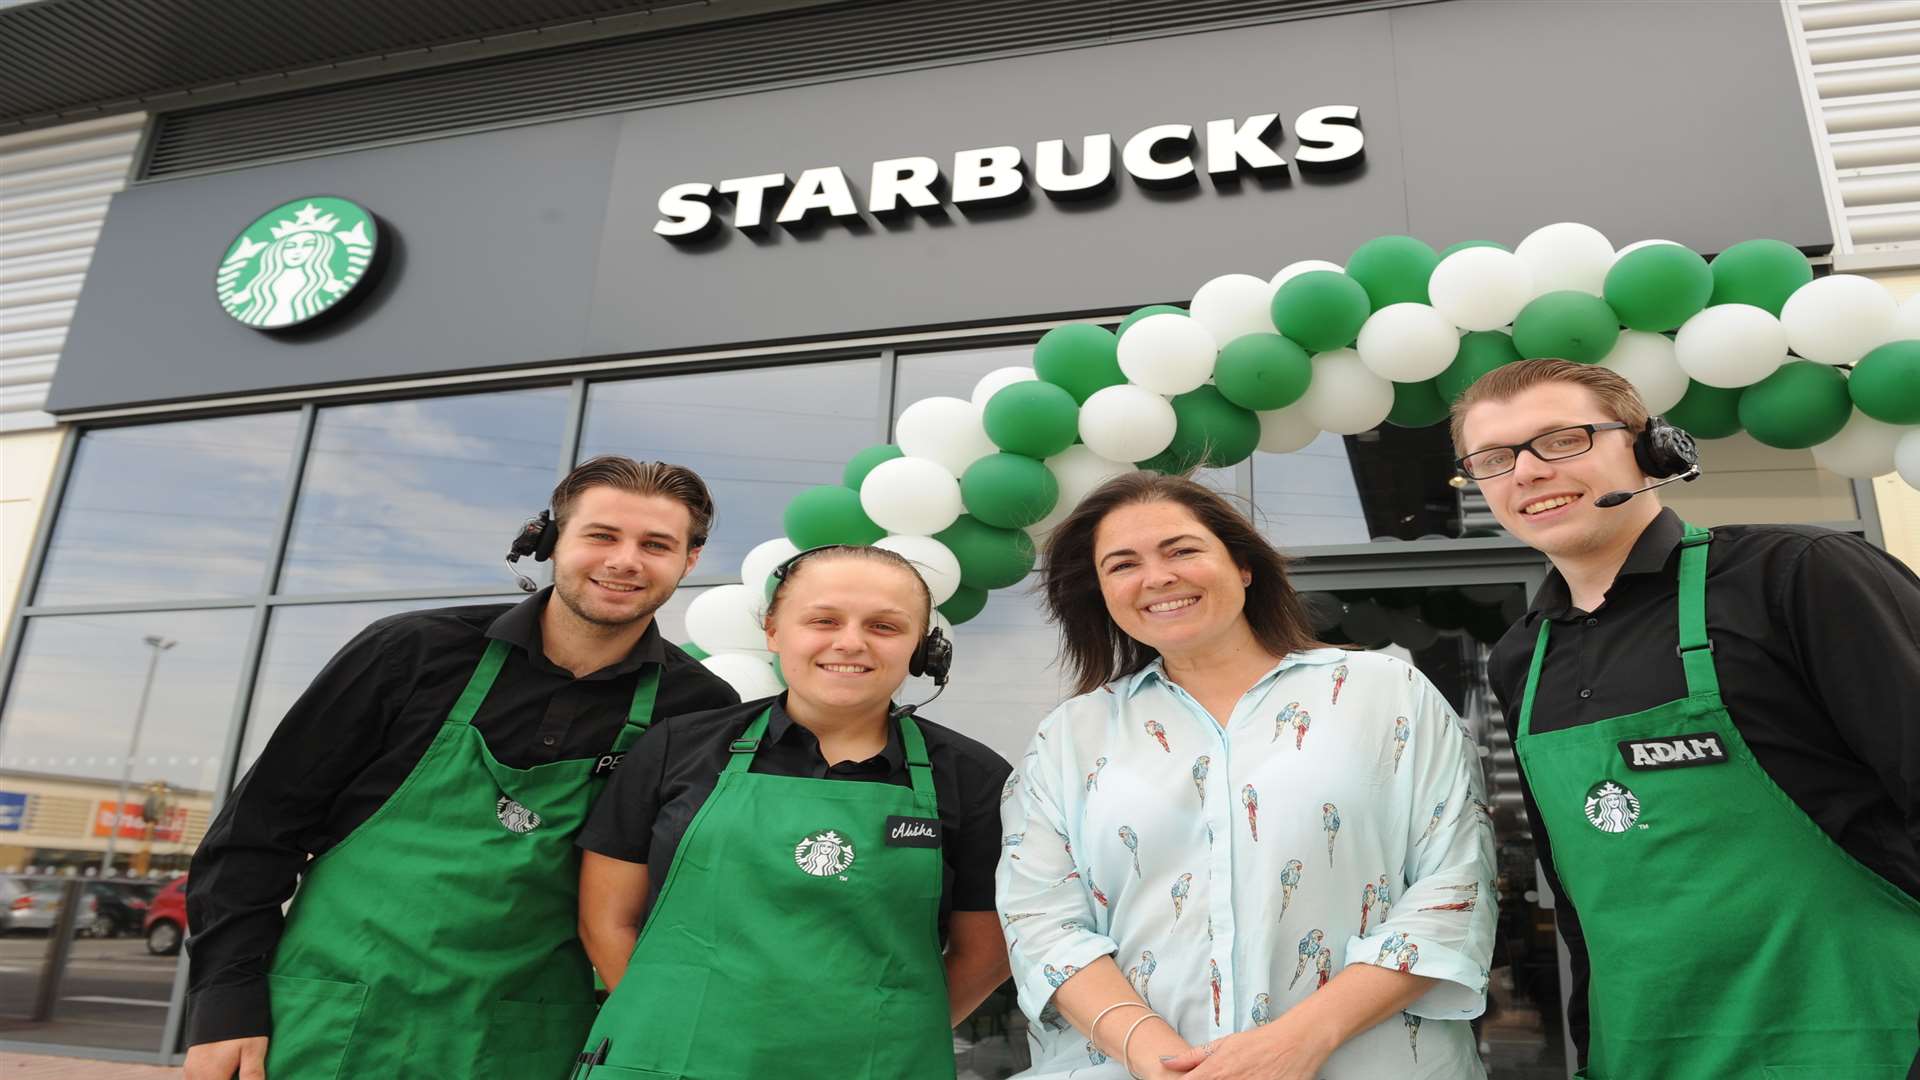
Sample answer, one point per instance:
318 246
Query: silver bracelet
1127 1041
1102 1014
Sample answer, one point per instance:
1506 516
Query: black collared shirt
667 777
1816 644
350 741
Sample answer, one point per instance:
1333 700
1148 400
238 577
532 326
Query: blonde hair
1617 396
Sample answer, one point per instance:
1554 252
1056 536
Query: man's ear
693 560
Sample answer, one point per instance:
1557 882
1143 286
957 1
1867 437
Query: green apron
439 939
1729 937
792 937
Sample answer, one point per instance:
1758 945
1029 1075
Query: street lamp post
159 645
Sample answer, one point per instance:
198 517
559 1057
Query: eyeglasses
1556 445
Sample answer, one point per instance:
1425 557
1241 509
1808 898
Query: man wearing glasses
1718 739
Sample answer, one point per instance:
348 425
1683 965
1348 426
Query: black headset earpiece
1662 450
535 541
933 658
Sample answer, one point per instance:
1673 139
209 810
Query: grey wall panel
1680 120
524 246
492 264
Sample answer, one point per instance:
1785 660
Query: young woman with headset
758 911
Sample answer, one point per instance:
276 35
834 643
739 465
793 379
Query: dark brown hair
676 482
837 552
1094 650
1506 382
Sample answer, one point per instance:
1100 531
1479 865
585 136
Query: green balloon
1009 490
1658 287
1321 310
1080 358
1569 325
1480 352
1707 412
695 651
1034 418
1141 313
990 557
1800 405
964 604
829 514
1393 270
1209 430
1416 405
1759 272
1262 371
863 462
1465 244
1886 383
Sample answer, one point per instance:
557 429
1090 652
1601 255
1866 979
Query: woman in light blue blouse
1237 852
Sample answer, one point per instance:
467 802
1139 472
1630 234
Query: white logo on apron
515 817
823 854
1612 808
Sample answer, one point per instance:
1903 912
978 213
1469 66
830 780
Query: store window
757 437
169 511
422 494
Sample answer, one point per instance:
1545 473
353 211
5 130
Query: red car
166 922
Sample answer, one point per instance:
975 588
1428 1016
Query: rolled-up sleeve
1053 924
1442 923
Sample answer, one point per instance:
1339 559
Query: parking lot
114 994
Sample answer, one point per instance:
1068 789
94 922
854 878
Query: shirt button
1586 693
550 740
1593 622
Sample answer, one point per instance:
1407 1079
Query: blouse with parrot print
1338 817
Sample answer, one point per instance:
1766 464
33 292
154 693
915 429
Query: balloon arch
1749 341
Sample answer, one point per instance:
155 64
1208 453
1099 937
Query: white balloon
1407 342
1567 255
1232 305
1906 457
997 380
1282 431
1731 345
1345 397
1638 244
1906 320
759 565
1168 354
913 496
1079 471
1647 361
1295 269
1839 319
1863 449
1480 288
1127 423
933 559
726 618
943 429
750 676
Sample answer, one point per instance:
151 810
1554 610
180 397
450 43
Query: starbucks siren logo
1612 808
296 261
824 854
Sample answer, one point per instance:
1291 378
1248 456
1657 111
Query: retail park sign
1162 156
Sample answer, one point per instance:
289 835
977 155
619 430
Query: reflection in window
756 437
1004 679
1385 484
301 638
129 708
166 511
422 494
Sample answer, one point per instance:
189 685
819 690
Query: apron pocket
622 1072
654 1019
531 1040
313 1023
1834 1072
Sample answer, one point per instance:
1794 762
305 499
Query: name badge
913 832
1678 752
607 763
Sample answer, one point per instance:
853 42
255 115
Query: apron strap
1533 677
1696 649
479 682
740 752
919 769
640 712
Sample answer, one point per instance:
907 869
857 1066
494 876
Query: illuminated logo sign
297 261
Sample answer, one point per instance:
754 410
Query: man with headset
1717 737
424 794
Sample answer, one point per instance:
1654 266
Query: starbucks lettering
1160 156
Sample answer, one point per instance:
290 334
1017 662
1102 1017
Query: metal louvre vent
700 62
1862 62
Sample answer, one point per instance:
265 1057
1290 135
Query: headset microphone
535 541
1615 498
1663 451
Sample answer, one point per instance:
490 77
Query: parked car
166 921
120 907
33 903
